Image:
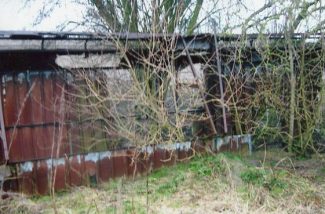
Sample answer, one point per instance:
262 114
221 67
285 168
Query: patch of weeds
276 186
160 173
307 192
277 182
111 209
272 181
232 156
171 185
207 165
181 167
319 177
253 176
112 185
42 199
176 203
133 207
244 192
302 157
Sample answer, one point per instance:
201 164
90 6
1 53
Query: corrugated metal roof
135 36
91 42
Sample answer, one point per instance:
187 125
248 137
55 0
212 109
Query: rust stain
15 153
77 170
42 183
26 177
39 176
10 114
91 173
59 173
105 167
50 153
36 99
24 102
48 97
120 163
27 144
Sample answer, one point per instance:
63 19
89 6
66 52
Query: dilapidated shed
48 143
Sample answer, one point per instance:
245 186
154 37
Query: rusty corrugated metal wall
49 154
43 176
50 148
31 100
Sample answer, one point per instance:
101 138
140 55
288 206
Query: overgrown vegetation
265 182
271 87
276 95
274 92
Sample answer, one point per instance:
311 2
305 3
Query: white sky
14 15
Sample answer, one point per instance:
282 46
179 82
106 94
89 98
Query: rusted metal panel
40 176
39 142
133 160
42 179
11 185
145 160
48 97
120 163
171 156
40 133
65 148
91 169
24 101
15 150
59 173
36 99
27 144
48 141
184 151
24 117
232 143
27 177
10 101
58 97
140 161
158 156
60 144
171 152
31 97
199 147
76 170
105 167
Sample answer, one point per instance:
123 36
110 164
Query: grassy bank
266 182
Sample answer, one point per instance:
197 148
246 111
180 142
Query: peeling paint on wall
102 166
26 167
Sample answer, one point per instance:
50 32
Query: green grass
206 166
204 181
